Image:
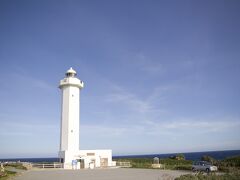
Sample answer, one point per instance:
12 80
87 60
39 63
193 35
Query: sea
194 156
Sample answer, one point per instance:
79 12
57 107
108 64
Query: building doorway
82 166
104 162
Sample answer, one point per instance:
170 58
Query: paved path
101 174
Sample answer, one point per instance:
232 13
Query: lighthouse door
82 164
104 162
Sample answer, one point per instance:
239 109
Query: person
74 164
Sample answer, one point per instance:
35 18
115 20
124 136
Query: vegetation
178 157
6 174
167 163
231 167
138 162
209 159
175 164
17 166
232 161
200 176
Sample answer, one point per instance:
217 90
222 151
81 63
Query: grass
168 163
6 174
174 164
230 166
227 176
17 166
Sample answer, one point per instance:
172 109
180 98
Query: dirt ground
100 174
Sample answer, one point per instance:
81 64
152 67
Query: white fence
124 164
50 165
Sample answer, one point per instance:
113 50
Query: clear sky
160 76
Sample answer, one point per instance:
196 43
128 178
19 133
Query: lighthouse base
86 159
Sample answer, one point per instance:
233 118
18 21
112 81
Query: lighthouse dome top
71 73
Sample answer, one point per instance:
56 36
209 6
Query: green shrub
231 164
183 167
178 157
176 164
227 176
209 159
17 166
141 163
232 161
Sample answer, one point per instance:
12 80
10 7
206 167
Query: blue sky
160 76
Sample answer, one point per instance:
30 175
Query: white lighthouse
70 117
69 153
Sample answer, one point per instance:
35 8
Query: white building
69 153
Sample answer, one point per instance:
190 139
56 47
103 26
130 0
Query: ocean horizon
194 156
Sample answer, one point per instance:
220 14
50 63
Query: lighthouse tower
70 117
